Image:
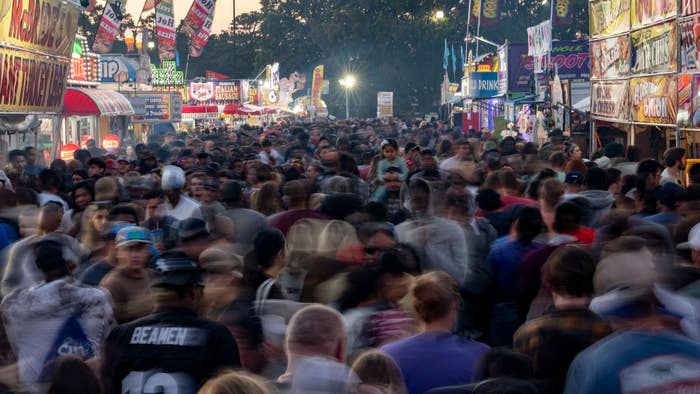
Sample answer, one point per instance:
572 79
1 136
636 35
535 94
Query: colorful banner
539 39
199 41
610 57
563 10
654 99
645 12
690 43
690 7
609 99
316 85
165 30
695 120
685 99
609 17
489 9
148 5
108 30
503 69
654 49
200 11
571 57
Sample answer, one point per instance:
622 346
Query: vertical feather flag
166 33
461 58
199 40
454 62
108 29
446 57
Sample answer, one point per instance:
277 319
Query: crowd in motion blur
395 257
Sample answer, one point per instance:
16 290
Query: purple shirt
433 360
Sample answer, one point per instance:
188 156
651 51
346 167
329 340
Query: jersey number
157 382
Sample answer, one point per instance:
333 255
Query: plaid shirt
554 339
580 325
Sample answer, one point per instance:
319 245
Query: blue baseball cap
132 235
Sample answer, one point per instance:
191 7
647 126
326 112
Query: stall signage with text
153 107
609 99
202 91
31 83
66 152
482 85
35 55
227 93
609 17
654 49
654 99
571 57
111 141
610 57
25 24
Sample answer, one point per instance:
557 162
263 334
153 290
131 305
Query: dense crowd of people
350 257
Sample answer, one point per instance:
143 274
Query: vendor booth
32 89
94 113
640 82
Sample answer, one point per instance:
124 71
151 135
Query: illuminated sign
84 65
167 76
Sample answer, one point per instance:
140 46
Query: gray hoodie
599 204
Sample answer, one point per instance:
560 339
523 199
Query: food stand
638 86
33 86
88 111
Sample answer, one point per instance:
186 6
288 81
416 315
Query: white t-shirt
186 208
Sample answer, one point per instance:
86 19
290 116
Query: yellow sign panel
654 99
609 17
46 26
31 83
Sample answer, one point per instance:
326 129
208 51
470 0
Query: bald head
316 330
50 216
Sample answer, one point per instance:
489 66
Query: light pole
439 14
348 82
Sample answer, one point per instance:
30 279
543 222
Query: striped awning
85 102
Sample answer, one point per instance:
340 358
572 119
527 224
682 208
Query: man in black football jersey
172 348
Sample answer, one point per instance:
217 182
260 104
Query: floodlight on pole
348 82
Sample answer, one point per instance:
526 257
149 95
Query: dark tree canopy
390 45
